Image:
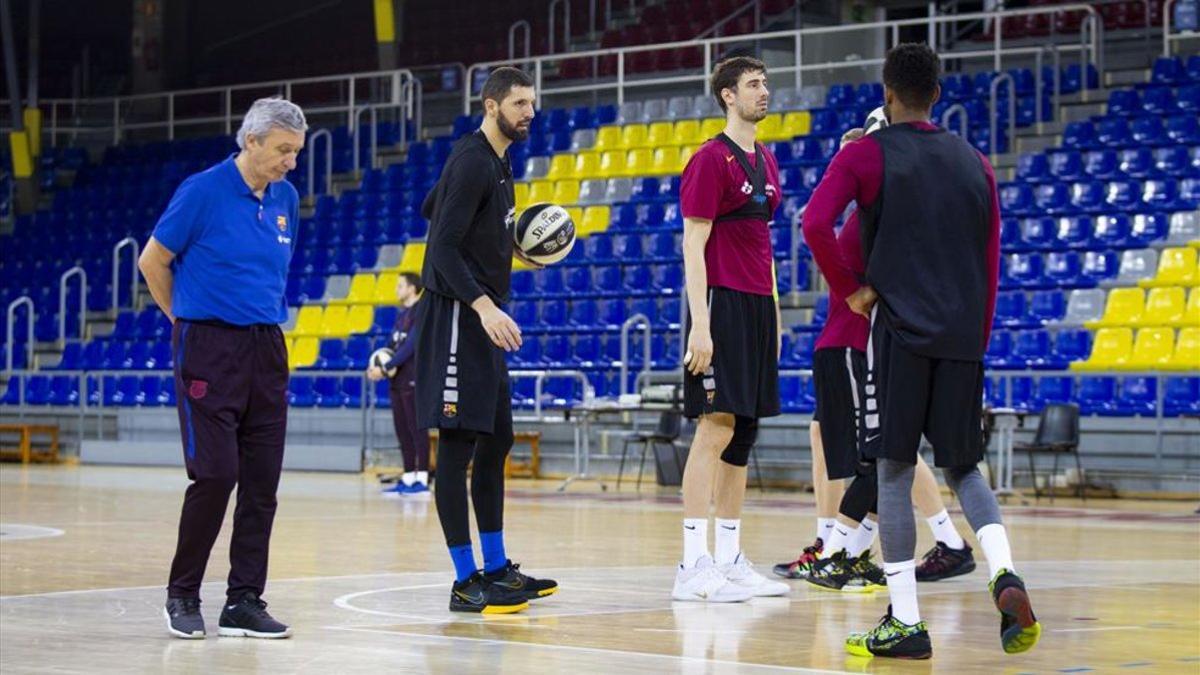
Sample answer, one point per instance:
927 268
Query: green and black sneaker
510 578
1019 628
893 639
869 572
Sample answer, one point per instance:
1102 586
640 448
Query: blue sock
492 544
464 561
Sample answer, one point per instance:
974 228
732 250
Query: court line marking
591 650
1095 630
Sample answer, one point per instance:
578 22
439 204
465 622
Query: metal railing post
644 321
964 126
125 243
10 322
1010 132
512 39
312 148
76 271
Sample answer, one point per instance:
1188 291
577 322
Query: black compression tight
455 451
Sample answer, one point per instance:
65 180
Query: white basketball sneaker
741 573
705 583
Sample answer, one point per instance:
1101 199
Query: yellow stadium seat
288 344
710 128
576 213
635 136
1187 350
587 165
661 133
561 166
1152 349
521 194
385 289
612 164
1110 350
1125 307
666 161
685 154
1191 312
541 192
308 321
607 138
413 258
334 323
687 132
304 352
797 124
1164 307
770 128
1176 267
362 289
639 162
566 192
360 318
595 219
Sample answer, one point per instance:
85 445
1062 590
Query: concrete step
1078 112
1037 143
1124 78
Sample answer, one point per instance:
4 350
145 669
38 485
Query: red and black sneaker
943 562
800 567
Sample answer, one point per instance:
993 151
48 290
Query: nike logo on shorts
872 438
728 527
689 527
892 574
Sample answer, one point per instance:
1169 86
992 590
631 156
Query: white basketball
545 233
875 121
380 358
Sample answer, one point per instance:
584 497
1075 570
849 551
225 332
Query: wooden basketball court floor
364 583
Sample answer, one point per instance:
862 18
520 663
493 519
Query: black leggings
455 450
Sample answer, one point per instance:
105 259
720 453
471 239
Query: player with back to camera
463 387
401 372
728 194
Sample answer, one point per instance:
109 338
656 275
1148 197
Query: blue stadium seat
522 283
72 357
1170 161
607 279
358 351
1077 136
663 247
1120 195
1138 396
552 314
1072 345
586 352
1163 195
1147 228
1033 168
1024 270
627 247
1053 390
385 320
612 313
1076 232
64 390
328 392
530 353
1016 199
1149 131
1037 234
999 350
1124 102
1064 269
1053 199
803 345
37 390
1181 396
583 313
1096 396
1100 266
549 281
332 355
1101 164
1010 309
579 280
1046 307
1159 101
1168 70
637 278
524 313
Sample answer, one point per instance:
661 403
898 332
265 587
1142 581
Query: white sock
944 531
825 528
994 542
863 538
423 477
728 540
409 477
695 540
839 539
902 589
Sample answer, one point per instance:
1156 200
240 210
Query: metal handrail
630 323
75 271
756 5
512 39
312 147
1055 90
566 46
964 118
373 110
993 95
11 319
116 272
1092 50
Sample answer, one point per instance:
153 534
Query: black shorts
744 376
462 377
837 376
908 395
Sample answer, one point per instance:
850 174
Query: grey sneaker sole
180 634
225 631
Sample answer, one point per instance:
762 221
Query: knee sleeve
861 496
976 498
745 432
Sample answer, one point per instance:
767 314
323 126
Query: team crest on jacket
281 221
450 410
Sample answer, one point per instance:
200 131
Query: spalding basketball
875 121
380 358
545 233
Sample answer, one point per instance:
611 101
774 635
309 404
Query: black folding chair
670 425
1057 434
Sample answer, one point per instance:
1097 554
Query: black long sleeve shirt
471 216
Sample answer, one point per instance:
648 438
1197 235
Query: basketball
380 358
545 233
875 121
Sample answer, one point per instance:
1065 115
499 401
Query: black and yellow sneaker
477 594
1019 628
943 562
893 639
869 572
511 578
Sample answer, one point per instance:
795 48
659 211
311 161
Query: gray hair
270 113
